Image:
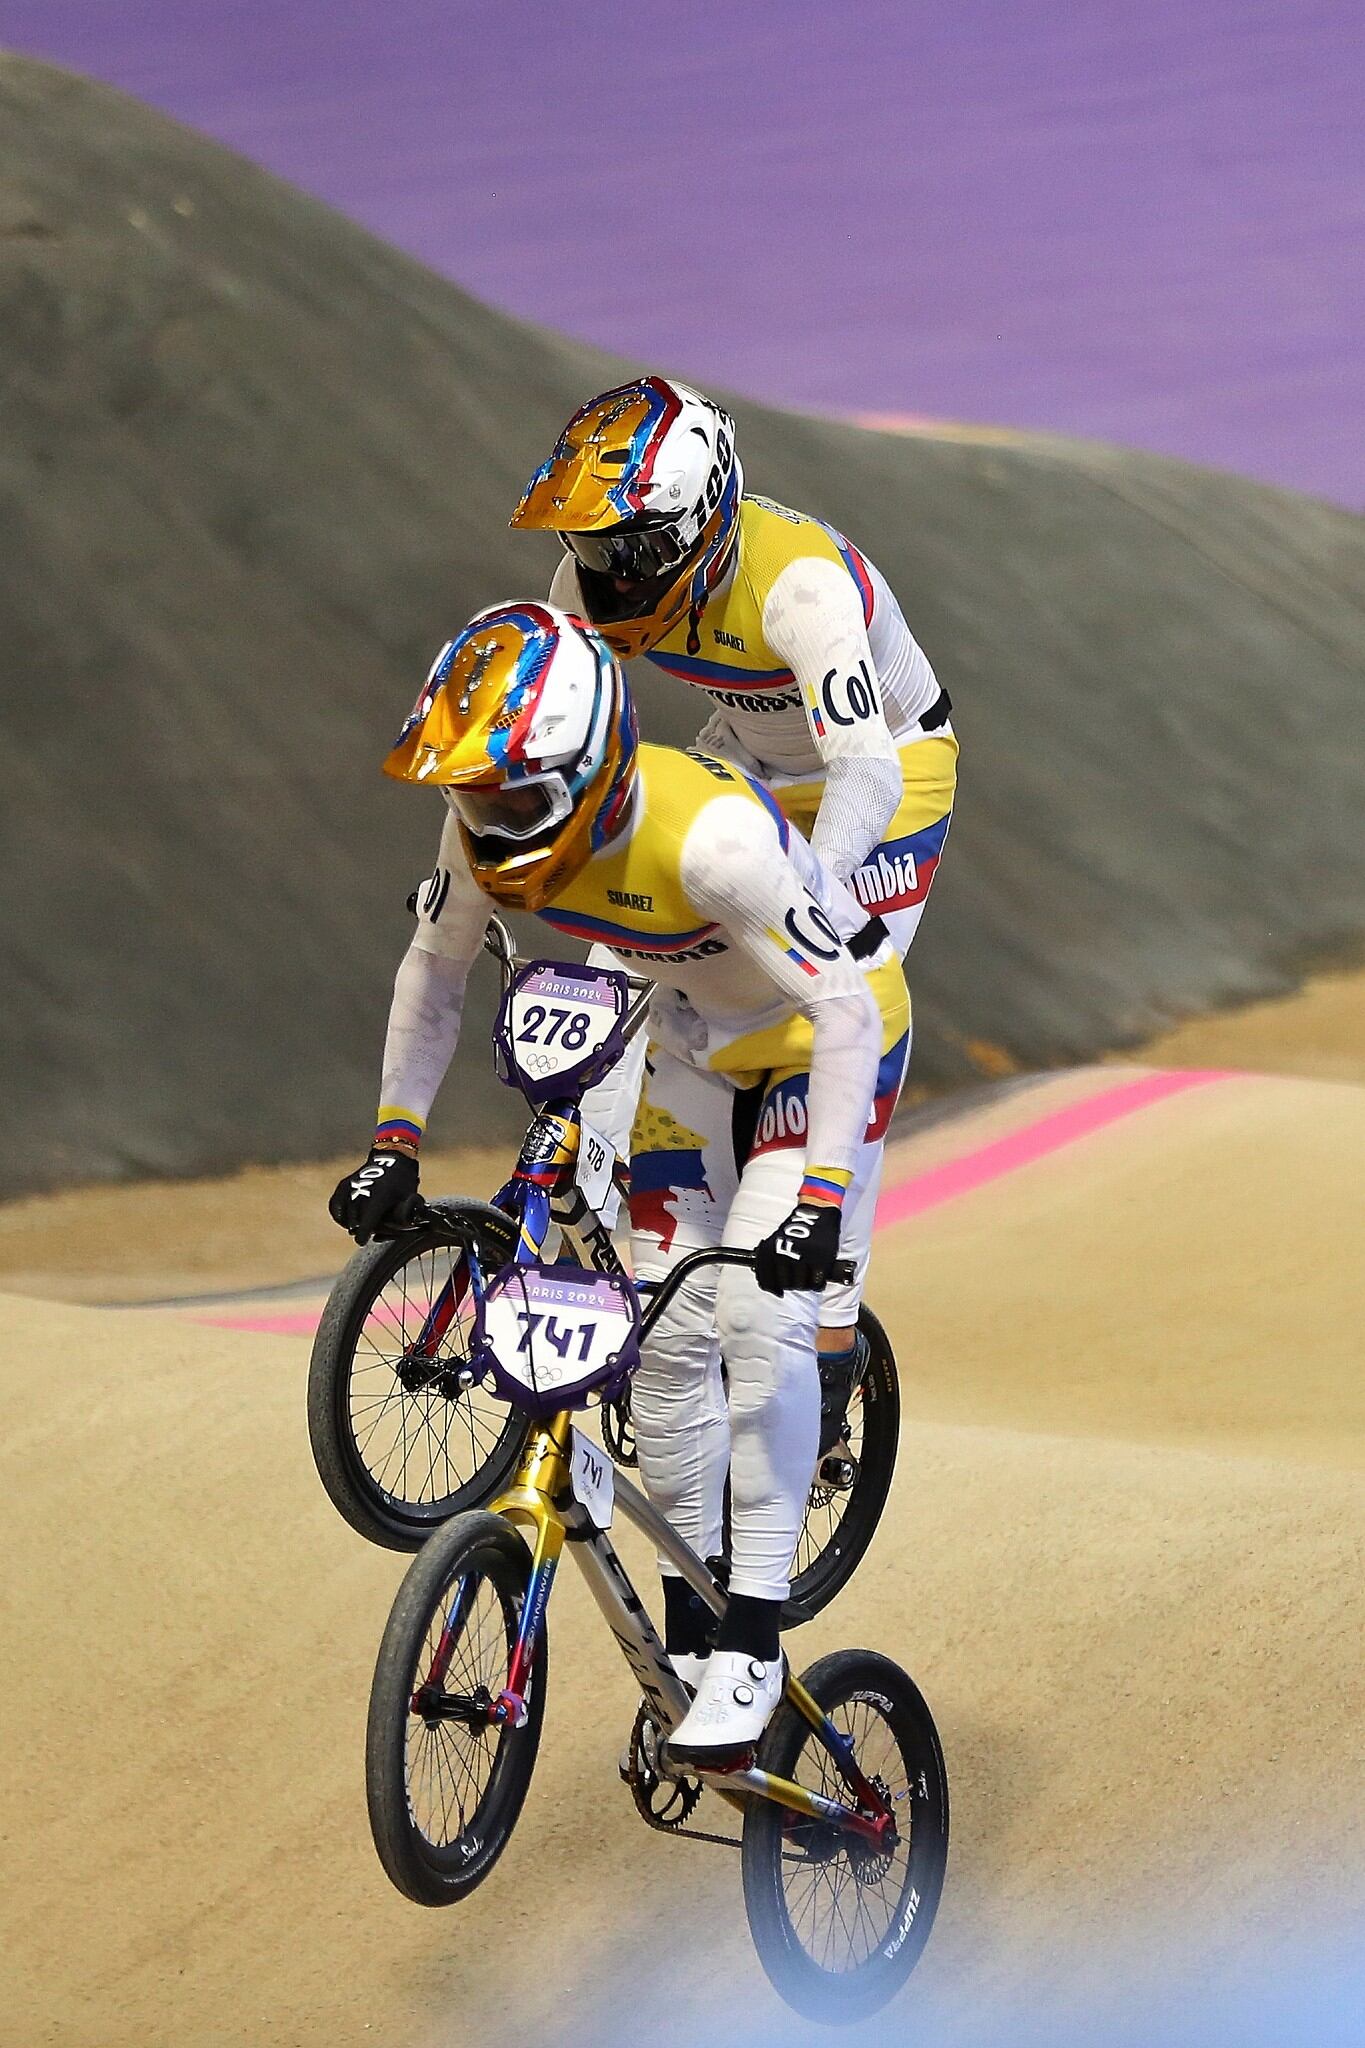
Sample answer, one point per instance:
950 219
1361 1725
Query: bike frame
541 1502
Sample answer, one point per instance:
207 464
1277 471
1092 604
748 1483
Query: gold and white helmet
643 488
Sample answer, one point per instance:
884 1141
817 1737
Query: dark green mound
255 466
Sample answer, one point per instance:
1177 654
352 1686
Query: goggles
517 811
635 553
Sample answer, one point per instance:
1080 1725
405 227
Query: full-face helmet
643 488
526 725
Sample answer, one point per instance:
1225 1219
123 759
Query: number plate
594 1483
596 1158
553 1334
558 1019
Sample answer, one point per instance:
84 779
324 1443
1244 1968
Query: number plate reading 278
553 1335
559 1020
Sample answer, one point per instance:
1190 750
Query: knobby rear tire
398 1763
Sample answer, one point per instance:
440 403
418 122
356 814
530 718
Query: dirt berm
255 466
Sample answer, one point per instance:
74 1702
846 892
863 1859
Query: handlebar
453 1227
425 1217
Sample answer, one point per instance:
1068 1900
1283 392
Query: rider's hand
802 1252
383 1190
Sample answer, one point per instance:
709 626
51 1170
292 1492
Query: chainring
666 1803
618 1431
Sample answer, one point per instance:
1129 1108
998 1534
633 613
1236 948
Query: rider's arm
813 619
735 870
428 994
564 590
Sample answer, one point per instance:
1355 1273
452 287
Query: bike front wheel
445 1785
400 1442
839 1923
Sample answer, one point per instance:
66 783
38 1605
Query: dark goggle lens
641 556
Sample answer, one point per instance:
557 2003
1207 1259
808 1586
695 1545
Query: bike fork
544 1474
456 1618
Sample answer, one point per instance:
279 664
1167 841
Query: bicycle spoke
449 1764
842 1898
419 1443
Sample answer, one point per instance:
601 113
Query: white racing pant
688 1193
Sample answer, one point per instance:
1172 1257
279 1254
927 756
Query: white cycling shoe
735 1701
691 1670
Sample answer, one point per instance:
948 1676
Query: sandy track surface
1123 1558
1319 1031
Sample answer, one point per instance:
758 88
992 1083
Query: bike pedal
723 1767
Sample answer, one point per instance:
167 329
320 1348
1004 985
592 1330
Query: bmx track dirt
1122 1556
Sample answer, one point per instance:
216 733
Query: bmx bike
408 1428
844 1800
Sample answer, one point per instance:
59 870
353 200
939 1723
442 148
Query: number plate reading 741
555 1335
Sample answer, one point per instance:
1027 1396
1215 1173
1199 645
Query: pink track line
1049 1134
301 1323
922 1191
298 1322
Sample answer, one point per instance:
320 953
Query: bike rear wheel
851 1482
840 1923
445 1786
398 1443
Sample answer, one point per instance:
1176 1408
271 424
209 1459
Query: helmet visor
517 811
636 554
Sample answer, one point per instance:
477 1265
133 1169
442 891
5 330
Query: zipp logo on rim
903 1926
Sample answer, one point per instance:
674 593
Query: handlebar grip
845 1273
420 1217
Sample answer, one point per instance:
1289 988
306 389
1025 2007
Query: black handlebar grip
845 1272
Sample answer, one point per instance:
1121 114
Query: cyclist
817 684
777 993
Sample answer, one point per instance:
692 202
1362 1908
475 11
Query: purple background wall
1141 223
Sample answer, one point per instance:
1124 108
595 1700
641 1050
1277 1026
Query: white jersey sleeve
428 990
735 870
813 619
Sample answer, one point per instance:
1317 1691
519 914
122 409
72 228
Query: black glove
383 1190
802 1252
